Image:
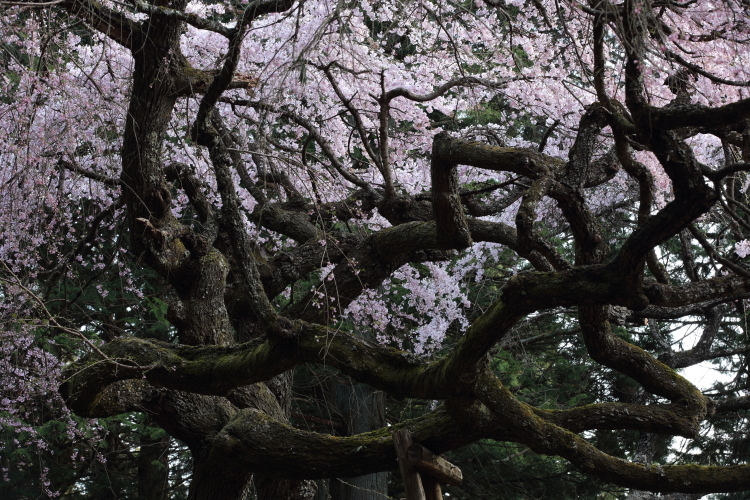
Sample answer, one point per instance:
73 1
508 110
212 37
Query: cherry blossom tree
329 184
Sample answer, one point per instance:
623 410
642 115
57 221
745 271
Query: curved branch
724 288
442 89
697 69
521 161
315 134
354 112
187 17
713 253
528 239
194 187
451 225
655 376
73 167
544 437
109 22
216 370
698 115
717 175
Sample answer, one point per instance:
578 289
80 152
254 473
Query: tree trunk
112 488
363 410
213 479
153 468
272 488
324 487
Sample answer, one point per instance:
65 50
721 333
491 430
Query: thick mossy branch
216 370
211 370
254 441
656 377
698 115
657 419
674 296
262 444
452 229
520 161
107 21
547 438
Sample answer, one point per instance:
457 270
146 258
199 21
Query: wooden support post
422 470
409 474
432 489
434 465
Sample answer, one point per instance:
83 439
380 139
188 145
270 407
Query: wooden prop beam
434 465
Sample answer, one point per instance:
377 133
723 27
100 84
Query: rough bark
153 468
363 410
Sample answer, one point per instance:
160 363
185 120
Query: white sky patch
704 375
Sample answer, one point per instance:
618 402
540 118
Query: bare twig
51 318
